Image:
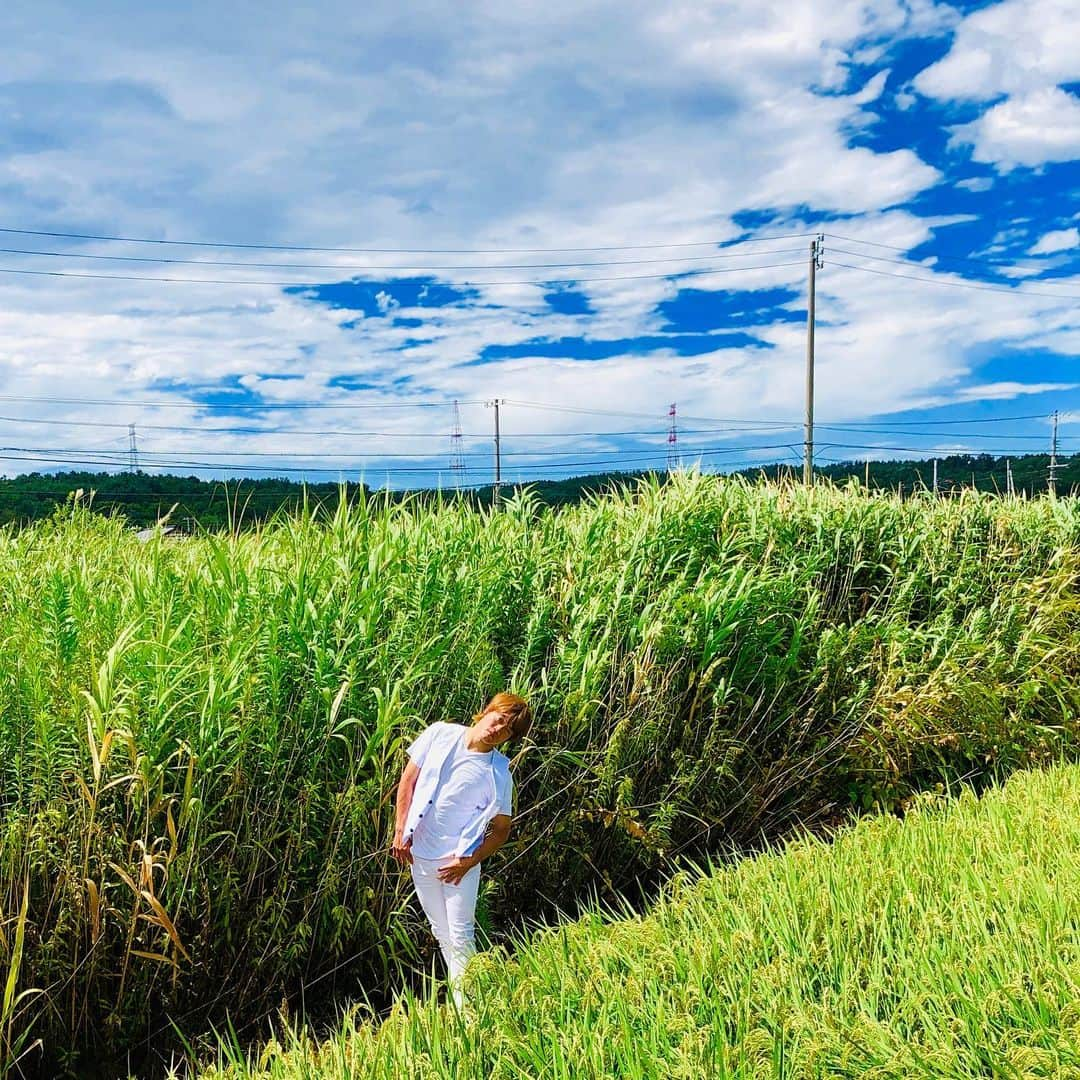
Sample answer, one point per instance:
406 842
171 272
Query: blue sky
589 210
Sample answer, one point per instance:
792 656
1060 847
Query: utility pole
495 403
935 478
1010 489
1051 478
133 450
866 482
817 253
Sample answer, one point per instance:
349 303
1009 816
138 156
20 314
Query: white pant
451 910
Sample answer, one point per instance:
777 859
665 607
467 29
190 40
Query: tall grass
199 740
943 945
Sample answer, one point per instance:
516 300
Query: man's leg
429 890
460 907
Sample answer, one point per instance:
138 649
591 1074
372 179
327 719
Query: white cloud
1006 391
975 183
494 125
1056 240
1021 51
1020 270
872 90
1013 47
1033 129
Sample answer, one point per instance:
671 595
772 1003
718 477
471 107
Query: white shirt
463 790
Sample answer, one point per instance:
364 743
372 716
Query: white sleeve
418 748
506 798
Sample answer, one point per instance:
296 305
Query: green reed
199 740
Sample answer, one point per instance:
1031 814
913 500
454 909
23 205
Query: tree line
189 503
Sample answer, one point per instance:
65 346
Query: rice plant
943 945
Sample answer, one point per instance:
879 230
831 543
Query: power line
183 456
936 255
911 263
628 467
550 407
448 405
266 490
394 251
349 433
30 454
388 281
395 269
965 420
457 251
742 425
239 404
953 284
766 425
920 449
415 251
930 434
729 423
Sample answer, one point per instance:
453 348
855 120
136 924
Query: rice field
943 945
199 739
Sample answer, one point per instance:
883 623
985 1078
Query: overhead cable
301 285
398 251
938 255
56 458
933 434
397 269
955 284
913 264
241 405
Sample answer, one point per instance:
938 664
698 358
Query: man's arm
498 832
406 786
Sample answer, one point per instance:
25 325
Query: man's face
494 727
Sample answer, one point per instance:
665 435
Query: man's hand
455 870
401 851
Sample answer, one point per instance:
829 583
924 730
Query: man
454 809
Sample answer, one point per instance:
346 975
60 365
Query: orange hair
517 708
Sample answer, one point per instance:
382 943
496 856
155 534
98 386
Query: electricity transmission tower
133 450
457 455
673 461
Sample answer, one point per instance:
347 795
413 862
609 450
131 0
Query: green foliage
189 503
956 473
199 738
945 945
